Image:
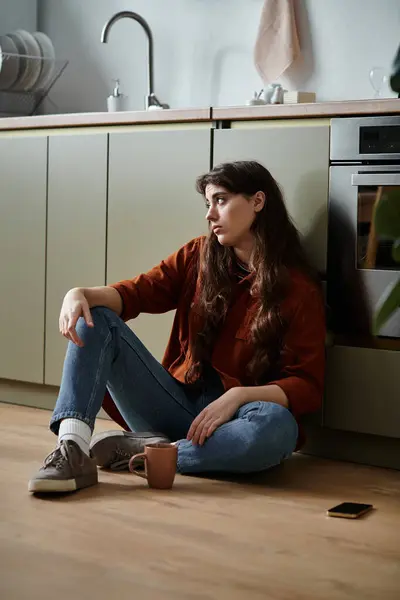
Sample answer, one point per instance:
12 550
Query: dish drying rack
18 103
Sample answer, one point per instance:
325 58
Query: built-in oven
363 370
364 169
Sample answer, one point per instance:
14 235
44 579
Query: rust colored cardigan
173 285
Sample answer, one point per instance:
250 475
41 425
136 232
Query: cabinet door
297 155
153 208
76 244
23 166
363 391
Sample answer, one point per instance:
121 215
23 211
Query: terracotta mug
160 465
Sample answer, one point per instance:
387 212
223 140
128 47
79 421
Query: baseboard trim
362 448
32 395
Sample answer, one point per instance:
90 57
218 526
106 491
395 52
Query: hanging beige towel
277 44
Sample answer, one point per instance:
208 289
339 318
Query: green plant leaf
395 75
387 215
388 303
396 251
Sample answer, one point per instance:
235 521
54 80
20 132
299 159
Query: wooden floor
264 537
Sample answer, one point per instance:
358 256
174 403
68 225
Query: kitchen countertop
95 119
309 110
229 113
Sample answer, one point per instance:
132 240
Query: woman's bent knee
274 433
102 323
102 317
103 313
266 413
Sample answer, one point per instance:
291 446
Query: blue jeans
260 435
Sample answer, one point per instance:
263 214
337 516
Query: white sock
76 430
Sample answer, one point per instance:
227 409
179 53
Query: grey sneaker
66 469
113 449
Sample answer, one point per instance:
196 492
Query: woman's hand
215 414
74 306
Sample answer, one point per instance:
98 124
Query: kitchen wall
204 49
17 14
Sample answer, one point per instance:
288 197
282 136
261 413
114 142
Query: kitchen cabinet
153 207
23 172
362 394
76 229
296 152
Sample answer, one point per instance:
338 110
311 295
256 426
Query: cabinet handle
376 179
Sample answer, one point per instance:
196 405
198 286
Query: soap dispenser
115 102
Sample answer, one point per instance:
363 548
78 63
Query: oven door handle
377 179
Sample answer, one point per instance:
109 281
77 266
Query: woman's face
231 215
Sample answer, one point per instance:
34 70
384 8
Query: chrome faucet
151 98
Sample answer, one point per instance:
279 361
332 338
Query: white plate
10 64
48 53
23 61
34 66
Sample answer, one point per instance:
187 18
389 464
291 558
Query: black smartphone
349 510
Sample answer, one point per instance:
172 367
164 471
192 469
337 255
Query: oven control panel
380 139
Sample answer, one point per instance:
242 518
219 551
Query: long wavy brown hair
277 248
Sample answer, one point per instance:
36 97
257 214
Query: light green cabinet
23 172
363 390
76 230
296 152
153 207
